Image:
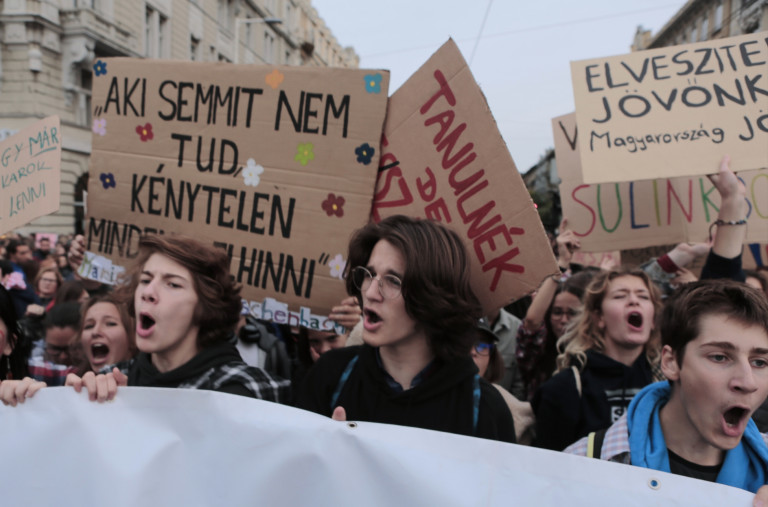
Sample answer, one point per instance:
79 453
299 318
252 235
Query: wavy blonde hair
583 333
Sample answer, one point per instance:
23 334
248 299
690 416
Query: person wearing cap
490 364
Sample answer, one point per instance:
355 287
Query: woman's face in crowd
103 336
321 342
627 316
565 307
385 320
165 302
47 285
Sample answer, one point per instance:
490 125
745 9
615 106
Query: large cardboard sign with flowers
673 111
30 173
443 158
274 164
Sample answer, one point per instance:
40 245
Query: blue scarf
745 466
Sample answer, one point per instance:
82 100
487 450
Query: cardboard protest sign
673 111
444 159
609 216
30 173
274 164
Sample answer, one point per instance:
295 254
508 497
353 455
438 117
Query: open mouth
99 350
145 321
372 316
635 319
733 416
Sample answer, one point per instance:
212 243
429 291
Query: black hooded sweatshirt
218 367
442 401
607 387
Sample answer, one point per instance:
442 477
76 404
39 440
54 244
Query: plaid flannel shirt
616 444
257 381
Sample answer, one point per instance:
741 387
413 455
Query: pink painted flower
100 126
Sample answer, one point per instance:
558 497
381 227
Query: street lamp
247 21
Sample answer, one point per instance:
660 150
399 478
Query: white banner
183 447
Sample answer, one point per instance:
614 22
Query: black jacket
607 386
443 401
217 367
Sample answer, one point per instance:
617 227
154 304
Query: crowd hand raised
16 391
608 263
684 253
682 277
347 314
76 252
728 185
102 387
567 243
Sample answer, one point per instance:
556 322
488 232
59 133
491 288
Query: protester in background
51 359
419 316
107 336
544 325
490 365
669 271
72 290
62 263
186 306
606 358
43 250
47 282
505 326
697 424
21 290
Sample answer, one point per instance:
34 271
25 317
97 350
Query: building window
705 28
227 14
155 34
718 18
194 49
269 47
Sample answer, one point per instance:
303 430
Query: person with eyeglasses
51 360
490 365
411 277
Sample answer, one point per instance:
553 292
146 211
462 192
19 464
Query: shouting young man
698 423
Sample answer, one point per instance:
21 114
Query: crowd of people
645 365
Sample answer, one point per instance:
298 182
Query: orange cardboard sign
444 159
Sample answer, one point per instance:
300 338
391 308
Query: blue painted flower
373 83
108 180
364 153
100 68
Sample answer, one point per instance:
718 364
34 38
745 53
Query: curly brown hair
219 303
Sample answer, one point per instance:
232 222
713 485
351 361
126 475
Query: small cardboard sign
673 111
444 159
30 173
609 216
274 164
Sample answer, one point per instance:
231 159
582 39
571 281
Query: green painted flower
304 153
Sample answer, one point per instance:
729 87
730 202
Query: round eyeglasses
389 285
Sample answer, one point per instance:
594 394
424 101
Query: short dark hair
436 286
63 315
681 319
14 244
17 361
218 296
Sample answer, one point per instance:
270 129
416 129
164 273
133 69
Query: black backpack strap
595 443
